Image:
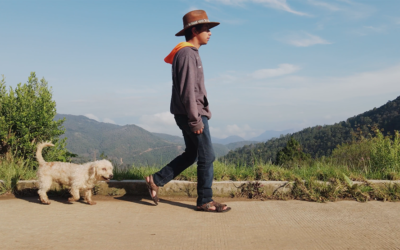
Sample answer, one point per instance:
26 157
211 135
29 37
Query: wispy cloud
324 5
302 39
298 102
356 10
93 117
375 28
368 30
233 21
244 131
106 120
275 4
161 122
283 69
191 8
350 9
233 76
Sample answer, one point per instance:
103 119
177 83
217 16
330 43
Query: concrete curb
181 188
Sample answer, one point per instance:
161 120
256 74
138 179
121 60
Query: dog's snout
111 176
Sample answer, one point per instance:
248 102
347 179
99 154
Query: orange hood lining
170 58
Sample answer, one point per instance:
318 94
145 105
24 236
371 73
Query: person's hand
199 131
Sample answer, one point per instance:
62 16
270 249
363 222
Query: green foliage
355 154
385 152
292 152
26 118
374 155
12 170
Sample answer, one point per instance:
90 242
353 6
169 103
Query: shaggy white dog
78 177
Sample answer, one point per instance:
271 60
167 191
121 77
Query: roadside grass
320 180
12 170
322 170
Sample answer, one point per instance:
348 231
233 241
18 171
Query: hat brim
210 24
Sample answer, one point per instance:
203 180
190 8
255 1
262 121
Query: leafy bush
376 154
12 170
385 152
26 118
355 155
291 152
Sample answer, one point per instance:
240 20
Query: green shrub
26 118
292 152
12 170
385 153
377 156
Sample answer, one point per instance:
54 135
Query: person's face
204 35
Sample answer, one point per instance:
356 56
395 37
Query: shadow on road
31 196
147 202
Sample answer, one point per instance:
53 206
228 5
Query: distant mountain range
269 134
124 144
129 144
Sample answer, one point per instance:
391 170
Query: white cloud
375 28
297 102
244 131
233 76
229 2
284 69
275 4
356 10
329 89
233 21
369 30
191 8
303 39
160 123
108 120
350 9
324 5
93 117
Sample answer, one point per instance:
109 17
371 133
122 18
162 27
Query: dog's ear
92 171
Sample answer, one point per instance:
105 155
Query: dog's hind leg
88 197
75 194
44 186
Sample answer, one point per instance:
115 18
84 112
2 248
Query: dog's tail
39 149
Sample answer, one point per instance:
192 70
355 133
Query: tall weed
385 153
12 170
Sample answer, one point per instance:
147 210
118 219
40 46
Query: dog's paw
92 203
71 199
46 202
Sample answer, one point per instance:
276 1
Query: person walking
191 111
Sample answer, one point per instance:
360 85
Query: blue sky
270 65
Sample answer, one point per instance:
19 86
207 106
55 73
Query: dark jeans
197 147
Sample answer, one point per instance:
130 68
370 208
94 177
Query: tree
292 152
26 118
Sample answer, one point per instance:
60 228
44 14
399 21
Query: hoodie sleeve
187 75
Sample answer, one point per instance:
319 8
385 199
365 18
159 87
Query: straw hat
193 18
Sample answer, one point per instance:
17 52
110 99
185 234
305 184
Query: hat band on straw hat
197 22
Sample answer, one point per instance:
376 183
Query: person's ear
194 31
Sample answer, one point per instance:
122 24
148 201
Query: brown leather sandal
218 207
151 186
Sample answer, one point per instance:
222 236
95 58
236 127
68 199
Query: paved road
134 223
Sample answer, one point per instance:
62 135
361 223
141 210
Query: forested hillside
127 144
321 140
